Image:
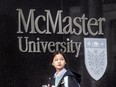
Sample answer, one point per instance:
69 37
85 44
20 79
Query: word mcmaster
77 25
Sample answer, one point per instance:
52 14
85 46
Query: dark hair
59 52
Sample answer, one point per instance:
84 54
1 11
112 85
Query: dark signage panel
32 30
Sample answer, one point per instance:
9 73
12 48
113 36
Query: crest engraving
95 56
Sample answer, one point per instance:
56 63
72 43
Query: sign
29 25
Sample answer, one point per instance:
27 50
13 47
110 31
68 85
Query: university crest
95 56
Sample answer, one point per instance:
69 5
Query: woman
62 76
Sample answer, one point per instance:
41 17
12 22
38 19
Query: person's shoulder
74 74
68 73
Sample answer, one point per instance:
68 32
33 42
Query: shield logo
95 56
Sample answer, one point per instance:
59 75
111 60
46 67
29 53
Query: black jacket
74 79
